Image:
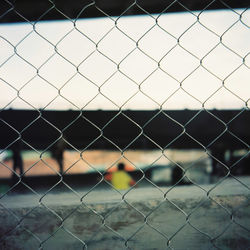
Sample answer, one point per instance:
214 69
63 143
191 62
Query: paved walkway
104 193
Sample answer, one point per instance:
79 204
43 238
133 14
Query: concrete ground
213 216
143 191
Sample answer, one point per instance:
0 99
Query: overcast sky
135 64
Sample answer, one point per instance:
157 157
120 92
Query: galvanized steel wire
138 84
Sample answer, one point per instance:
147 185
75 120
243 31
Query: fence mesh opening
124 125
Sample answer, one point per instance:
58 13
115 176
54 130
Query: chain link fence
194 61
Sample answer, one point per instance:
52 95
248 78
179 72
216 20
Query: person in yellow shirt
120 179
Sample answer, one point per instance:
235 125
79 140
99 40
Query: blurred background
165 93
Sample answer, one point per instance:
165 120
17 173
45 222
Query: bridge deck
182 129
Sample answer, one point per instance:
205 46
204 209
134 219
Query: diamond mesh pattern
142 60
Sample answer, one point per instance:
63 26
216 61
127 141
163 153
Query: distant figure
177 175
57 153
16 149
218 153
120 179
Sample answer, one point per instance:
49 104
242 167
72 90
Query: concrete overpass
156 129
28 10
